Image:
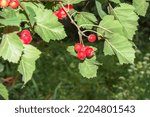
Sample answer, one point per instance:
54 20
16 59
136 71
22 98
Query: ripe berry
81 55
78 47
89 51
4 3
25 37
91 38
14 4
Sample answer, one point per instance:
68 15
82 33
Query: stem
74 23
96 26
93 32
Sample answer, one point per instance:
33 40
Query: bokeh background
57 76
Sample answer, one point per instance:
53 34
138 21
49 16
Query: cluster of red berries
25 36
11 3
83 51
61 13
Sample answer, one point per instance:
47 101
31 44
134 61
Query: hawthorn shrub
114 26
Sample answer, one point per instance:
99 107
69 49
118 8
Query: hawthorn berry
78 47
4 3
81 55
89 51
61 13
14 4
25 36
91 38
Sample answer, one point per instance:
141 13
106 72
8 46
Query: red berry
14 4
91 38
89 51
81 55
26 39
69 7
62 13
4 3
25 36
78 47
25 33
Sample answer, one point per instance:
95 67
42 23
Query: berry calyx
91 38
25 36
14 4
78 47
4 3
81 55
89 51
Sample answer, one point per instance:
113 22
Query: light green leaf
48 27
3 91
109 26
27 63
89 68
83 18
11 47
128 19
141 6
1 67
71 50
9 17
99 9
121 47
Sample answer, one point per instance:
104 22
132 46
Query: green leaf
128 19
116 1
121 47
85 19
1 67
3 91
72 1
27 63
11 47
71 50
48 27
89 68
9 17
99 9
141 6
109 26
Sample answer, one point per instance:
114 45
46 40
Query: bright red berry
91 38
4 3
25 36
81 55
78 47
89 51
14 4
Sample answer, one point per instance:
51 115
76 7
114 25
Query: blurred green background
57 76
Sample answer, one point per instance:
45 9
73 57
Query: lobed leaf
11 47
27 63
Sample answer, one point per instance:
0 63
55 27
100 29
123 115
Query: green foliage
83 18
3 91
120 46
100 11
11 47
27 63
142 7
10 17
90 65
115 30
128 19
